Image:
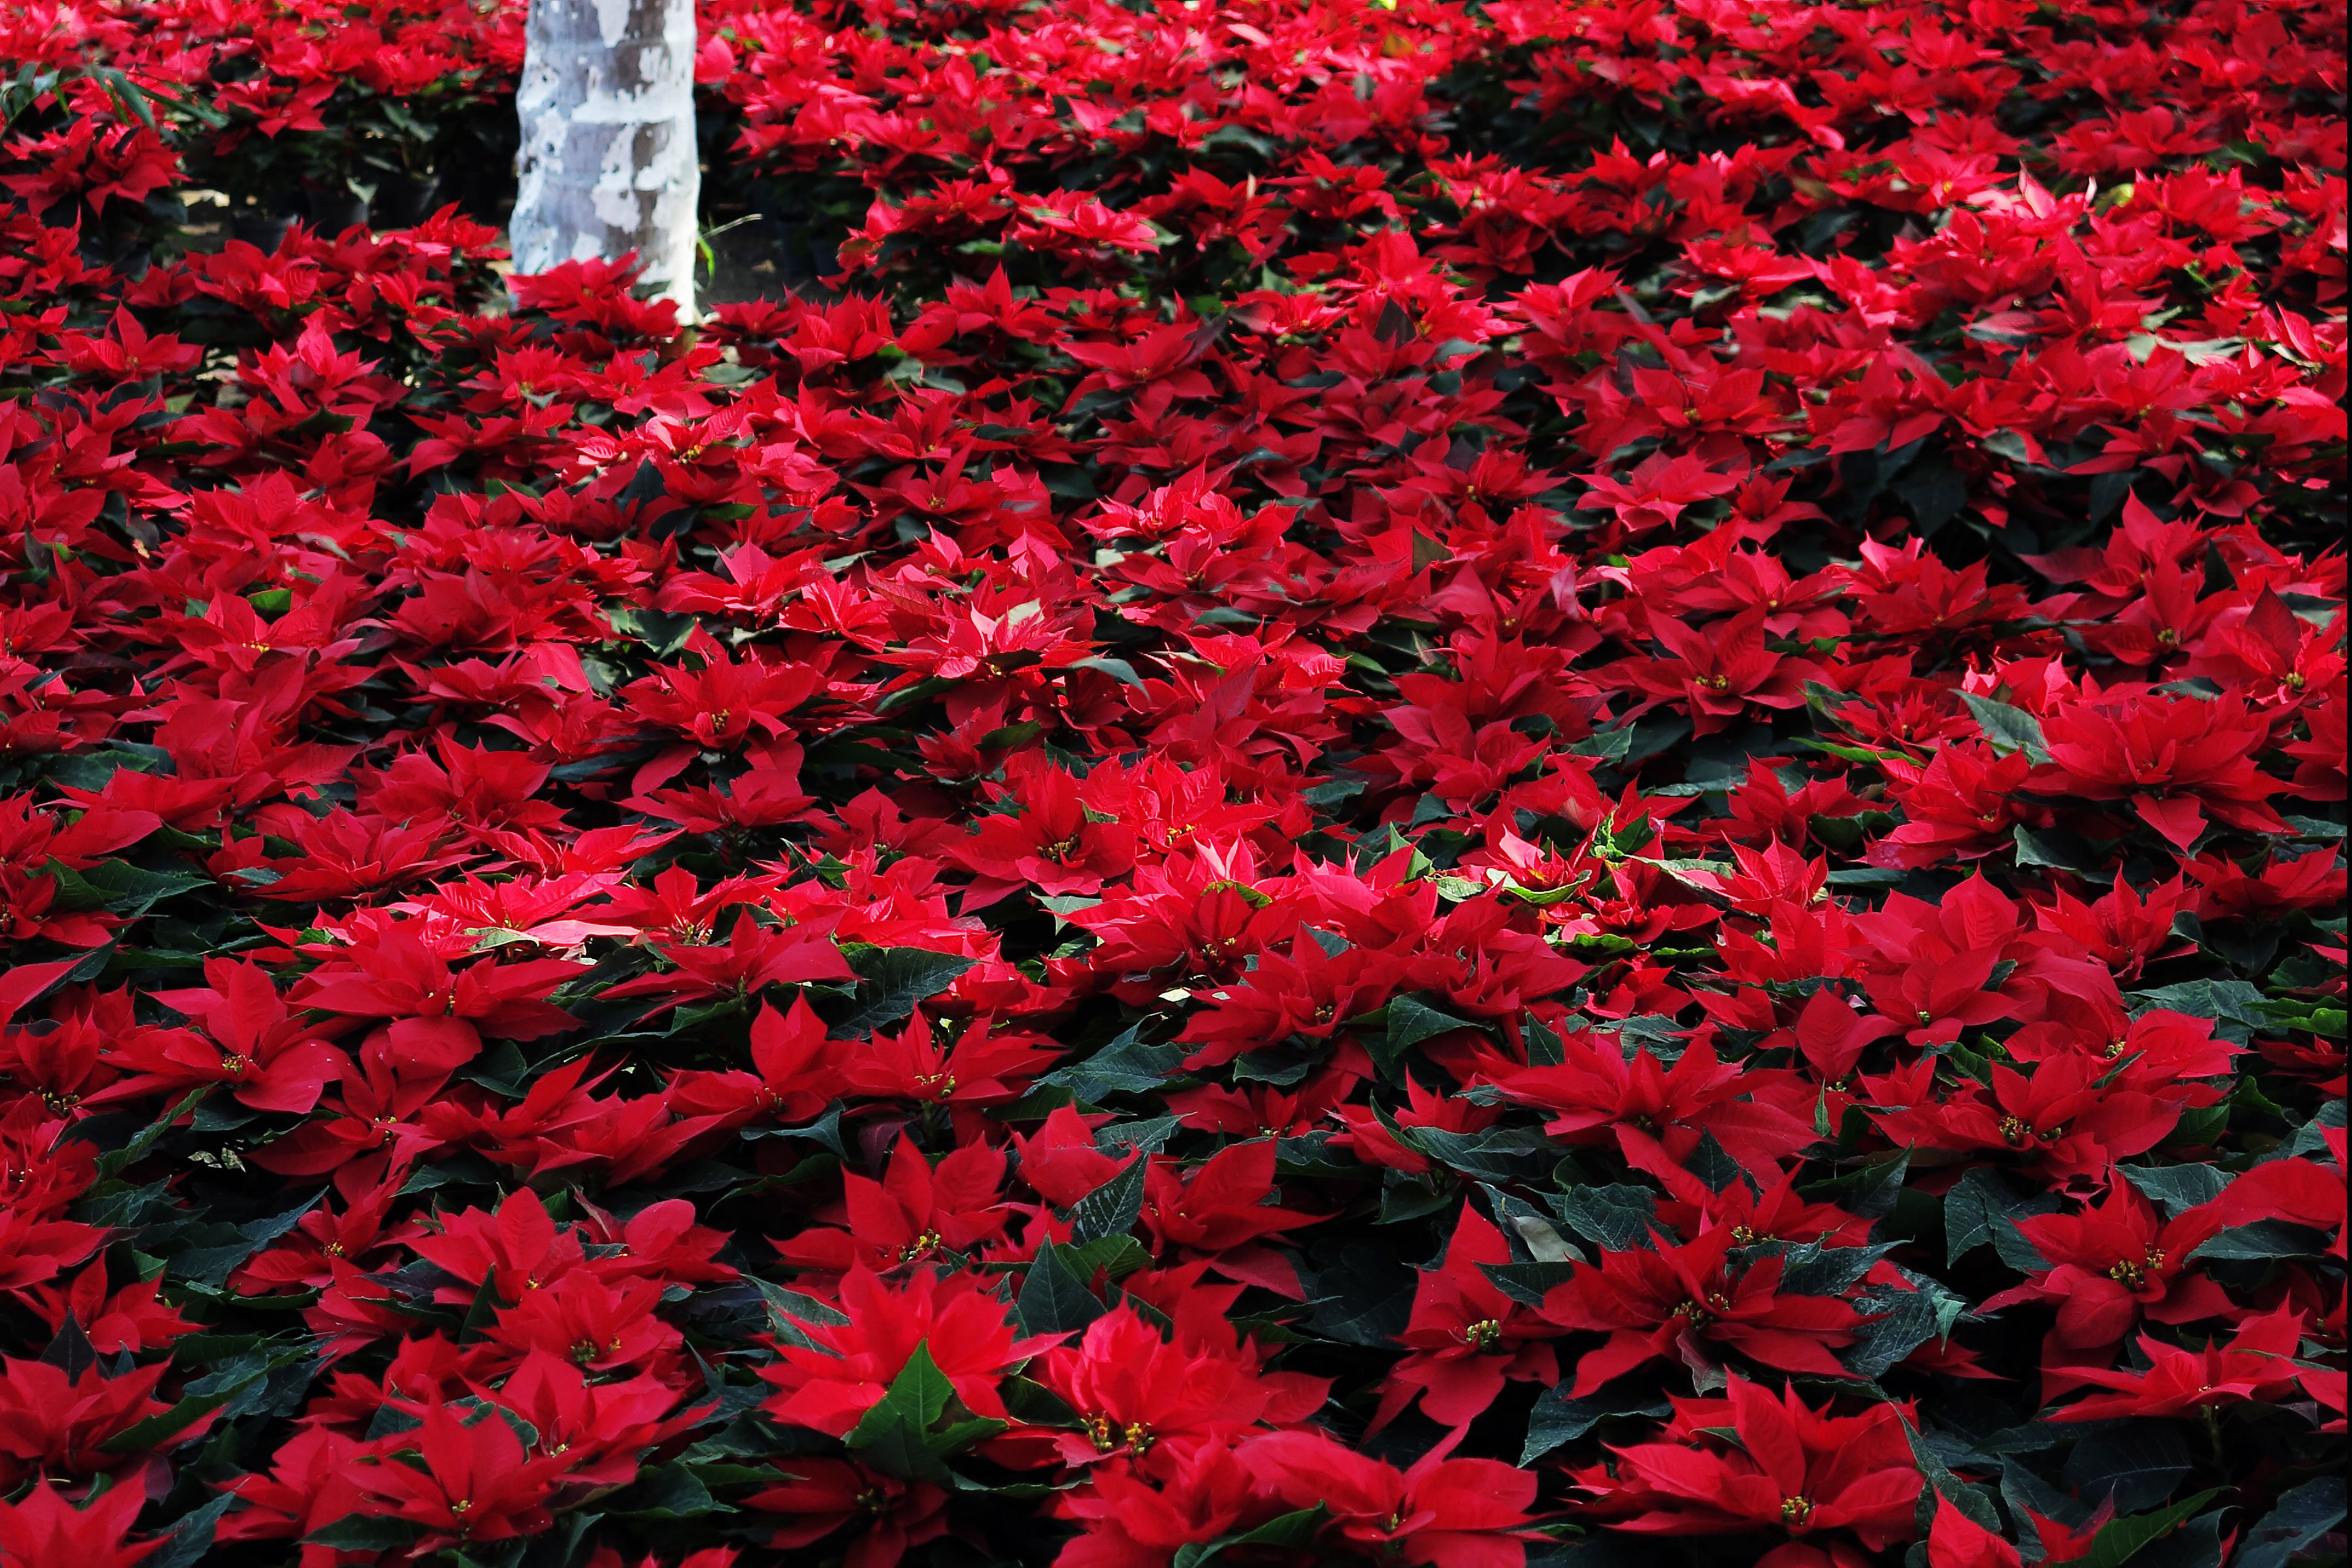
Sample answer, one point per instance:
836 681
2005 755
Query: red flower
132 1318
1956 1541
463 1479
830 1386
1131 1521
1793 1470
1449 1513
1680 1299
52 1422
1138 1394
269 1059
2112 1265
2257 1363
42 1527
1222 1209
2178 760
755 957
820 1496
1600 1093
1466 1336
915 1210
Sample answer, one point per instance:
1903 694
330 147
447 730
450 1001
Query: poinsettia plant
1551 782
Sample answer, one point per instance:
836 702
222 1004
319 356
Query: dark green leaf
2300 1518
364 1533
1560 1419
2176 1188
2235 1007
1126 1066
1288 1533
2008 729
1614 1219
667 1491
893 1434
1972 1501
213 1265
1497 1154
2121 1540
246 1373
1711 1163
70 1349
893 980
1980 1209
1053 1299
1112 1208
190 1540
115 1161
2262 1238
1409 1021
1528 1283
1815 1269
1364 1297
2136 1463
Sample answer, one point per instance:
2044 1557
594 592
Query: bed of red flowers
1413 782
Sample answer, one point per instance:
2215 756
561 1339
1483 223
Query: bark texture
608 160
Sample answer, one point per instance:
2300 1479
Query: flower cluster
1552 783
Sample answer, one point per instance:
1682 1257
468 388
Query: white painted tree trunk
608 160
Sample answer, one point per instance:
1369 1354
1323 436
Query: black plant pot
404 200
258 227
333 211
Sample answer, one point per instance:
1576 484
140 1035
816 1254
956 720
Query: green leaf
2262 1238
1901 1322
2064 851
1497 1154
663 632
1711 1163
892 1436
1815 1269
2176 1188
1126 1066
1977 1210
789 1309
2234 1006
1033 1405
1053 1297
2300 1518
667 1491
1605 746
958 1435
1614 1219
1933 491
1559 1420
1286 1532
893 980
1409 1021
118 1160
190 1540
1118 669
364 1533
2008 729
2120 1540
1112 1208
213 1265
1364 1296
1973 1502
205 1395
2133 1465
129 889
918 1395
1528 1283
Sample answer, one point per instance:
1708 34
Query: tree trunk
608 162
